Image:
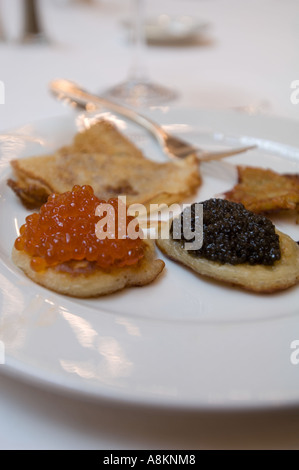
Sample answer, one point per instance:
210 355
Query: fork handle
70 91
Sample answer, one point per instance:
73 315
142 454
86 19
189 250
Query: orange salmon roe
64 230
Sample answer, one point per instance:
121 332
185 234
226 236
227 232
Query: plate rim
15 367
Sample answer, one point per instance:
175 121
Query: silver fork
172 146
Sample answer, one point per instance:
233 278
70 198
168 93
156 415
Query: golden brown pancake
263 190
85 279
104 159
258 278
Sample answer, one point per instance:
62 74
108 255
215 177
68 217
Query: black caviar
232 234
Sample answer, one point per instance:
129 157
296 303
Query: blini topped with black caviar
238 247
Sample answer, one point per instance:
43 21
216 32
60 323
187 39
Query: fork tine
208 156
173 147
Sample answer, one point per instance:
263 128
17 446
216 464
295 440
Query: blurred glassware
2 36
33 31
138 89
87 2
171 30
72 2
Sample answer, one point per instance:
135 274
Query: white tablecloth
248 59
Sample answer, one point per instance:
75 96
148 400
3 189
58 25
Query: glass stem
31 17
2 38
33 31
138 71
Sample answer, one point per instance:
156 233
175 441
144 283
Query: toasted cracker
107 161
263 190
258 278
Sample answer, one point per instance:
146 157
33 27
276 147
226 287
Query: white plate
181 342
171 29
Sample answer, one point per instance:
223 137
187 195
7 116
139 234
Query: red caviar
64 230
